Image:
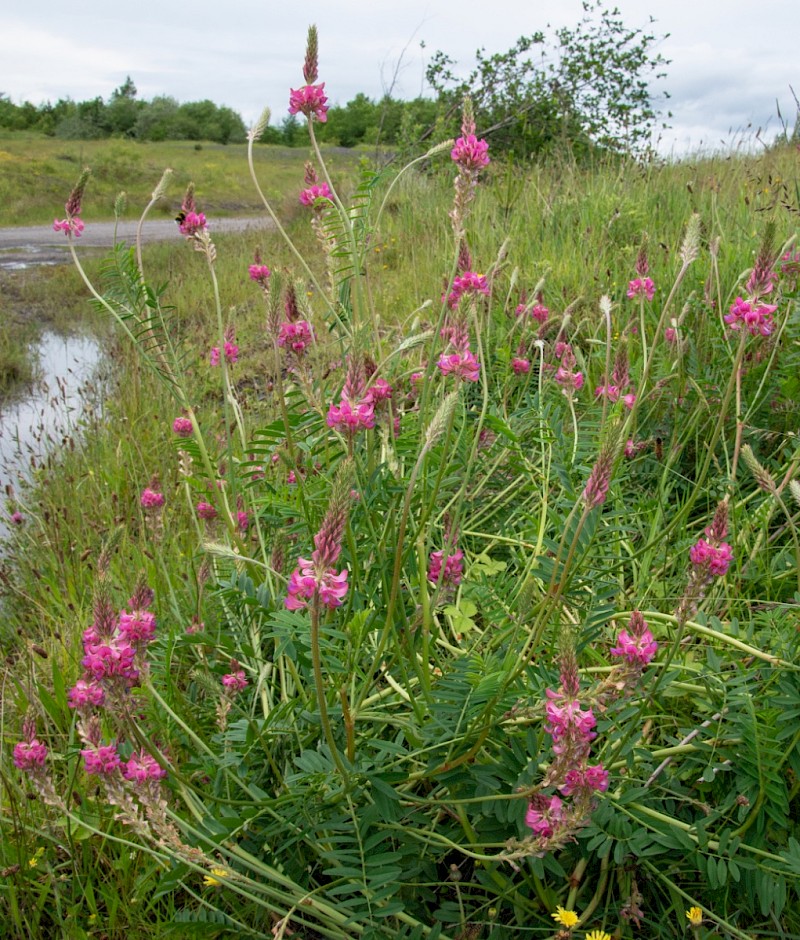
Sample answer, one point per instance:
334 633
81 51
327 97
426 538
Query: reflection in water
47 418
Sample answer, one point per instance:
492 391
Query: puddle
47 417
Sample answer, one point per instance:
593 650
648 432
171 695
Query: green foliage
373 777
584 87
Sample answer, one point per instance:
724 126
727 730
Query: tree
586 87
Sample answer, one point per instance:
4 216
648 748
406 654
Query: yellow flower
33 861
565 918
215 878
598 935
695 916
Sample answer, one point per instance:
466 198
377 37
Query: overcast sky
731 61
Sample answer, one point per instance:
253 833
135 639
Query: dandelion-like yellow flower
564 917
695 916
598 935
33 861
215 877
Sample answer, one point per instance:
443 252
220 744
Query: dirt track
39 244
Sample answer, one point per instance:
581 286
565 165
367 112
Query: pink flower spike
309 100
206 511
259 273
641 287
150 499
520 366
69 226
29 755
142 767
235 681
192 224
716 559
85 693
309 197
102 761
637 650
463 365
470 152
182 426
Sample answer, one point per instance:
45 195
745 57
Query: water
47 418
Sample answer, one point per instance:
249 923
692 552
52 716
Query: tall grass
392 766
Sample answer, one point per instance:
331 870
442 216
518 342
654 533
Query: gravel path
39 244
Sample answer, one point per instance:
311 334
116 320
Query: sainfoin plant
503 639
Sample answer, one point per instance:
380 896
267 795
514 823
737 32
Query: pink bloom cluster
142 767
29 755
520 366
470 152
464 365
235 680
296 336
566 376
545 815
637 647
350 418
16 517
73 225
150 499
307 580
713 558
231 351
453 568
308 197
259 273
671 334
182 426
467 283
206 511
613 393
102 760
309 100
755 316
641 287
379 391
192 223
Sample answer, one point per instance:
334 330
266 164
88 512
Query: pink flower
520 366
101 761
641 287
464 365
566 718
470 152
611 392
629 400
150 499
16 518
306 580
235 681
309 100
349 419
296 336
637 650
590 778
757 319
192 224
231 351
142 767
70 226
544 816
85 693
453 568
183 426
467 283
671 334
206 511
242 520
259 273
716 559
139 626
29 755
308 197
379 391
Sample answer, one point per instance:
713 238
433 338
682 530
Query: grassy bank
386 767
37 173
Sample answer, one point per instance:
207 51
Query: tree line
582 88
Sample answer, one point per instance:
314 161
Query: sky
733 65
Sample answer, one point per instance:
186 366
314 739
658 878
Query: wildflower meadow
444 584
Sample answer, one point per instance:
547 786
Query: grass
376 760
38 173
